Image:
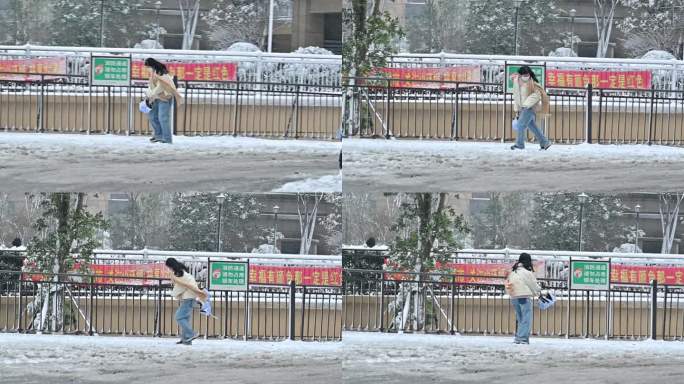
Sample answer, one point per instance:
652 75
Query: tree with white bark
190 10
604 14
669 218
426 234
310 219
370 37
65 228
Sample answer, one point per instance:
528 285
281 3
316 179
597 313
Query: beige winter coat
530 95
162 88
181 292
522 283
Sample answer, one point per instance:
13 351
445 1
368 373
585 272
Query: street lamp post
275 227
518 3
157 5
220 198
582 199
573 13
637 209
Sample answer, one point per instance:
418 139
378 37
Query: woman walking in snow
186 291
529 97
522 286
161 94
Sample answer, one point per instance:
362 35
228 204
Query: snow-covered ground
391 358
100 359
360 358
415 166
74 162
327 183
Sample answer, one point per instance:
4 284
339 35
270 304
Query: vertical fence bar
382 302
654 308
589 115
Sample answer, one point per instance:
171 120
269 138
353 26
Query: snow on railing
312 69
203 256
667 74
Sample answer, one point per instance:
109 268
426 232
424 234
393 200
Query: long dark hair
525 260
177 267
158 67
526 70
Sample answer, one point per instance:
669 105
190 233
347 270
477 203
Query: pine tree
491 27
653 25
144 223
194 223
556 219
439 27
78 22
504 223
233 21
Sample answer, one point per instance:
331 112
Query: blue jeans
527 119
523 316
160 119
183 315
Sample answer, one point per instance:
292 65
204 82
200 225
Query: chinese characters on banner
598 79
431 77
258 274
267 274
129 274
190 71
637 274
476 273
121 273
23 68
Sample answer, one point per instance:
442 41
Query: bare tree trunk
604 12
669 218
189 14
307 221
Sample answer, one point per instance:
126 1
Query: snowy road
385 358
433 166
359 359
83 359
66 162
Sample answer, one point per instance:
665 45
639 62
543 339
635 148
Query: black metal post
590 113
293 303
654 307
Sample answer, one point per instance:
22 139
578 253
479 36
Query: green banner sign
539 72
111 70
228 275
590 275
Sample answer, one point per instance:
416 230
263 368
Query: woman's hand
202 295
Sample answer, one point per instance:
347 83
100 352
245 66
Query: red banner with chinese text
128 274
475 273
24 67
598 79
638 274
269 274
431 77
258 274
190 71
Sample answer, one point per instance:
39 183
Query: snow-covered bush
662 78
563 52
